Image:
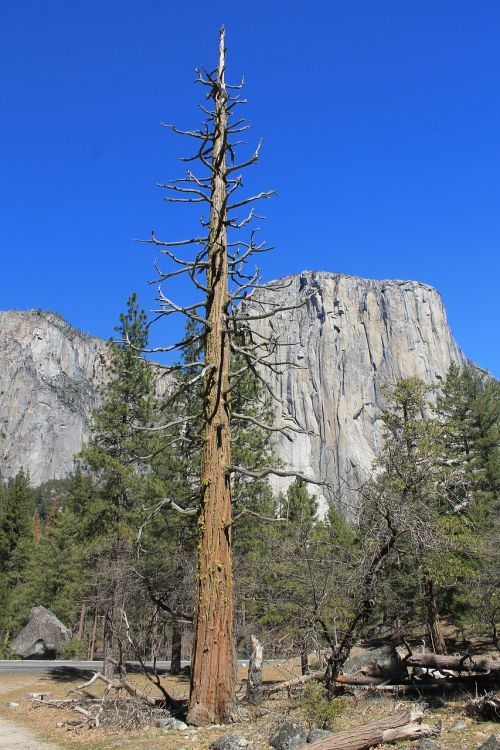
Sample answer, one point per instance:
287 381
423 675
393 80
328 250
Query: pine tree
301 506
57 574
16 543
469 407
415 474
118 459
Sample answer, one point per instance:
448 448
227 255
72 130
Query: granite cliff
348 337
50 374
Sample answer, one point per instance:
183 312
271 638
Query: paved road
47 666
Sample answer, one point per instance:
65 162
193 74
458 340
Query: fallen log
464 682
421 688
360 679
296 682
121 683
467 663
401 725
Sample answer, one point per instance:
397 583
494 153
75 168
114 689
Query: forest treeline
112 550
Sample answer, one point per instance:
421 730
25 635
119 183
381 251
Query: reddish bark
212 678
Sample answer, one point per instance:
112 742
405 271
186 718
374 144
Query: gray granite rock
426 743
288 736
318 734
350 337
50 374
492 743
377 662
230 742
169 724
44 636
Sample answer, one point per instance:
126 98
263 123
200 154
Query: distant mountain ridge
350 337
50 375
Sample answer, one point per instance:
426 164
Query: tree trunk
81 624
254 682
438 642
466 663
109 664
304 660
494 633
91 652
212 678
176 658
340 653
401 725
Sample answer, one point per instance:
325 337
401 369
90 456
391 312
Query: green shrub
317 709
75 649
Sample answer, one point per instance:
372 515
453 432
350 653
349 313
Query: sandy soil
14 736
20 727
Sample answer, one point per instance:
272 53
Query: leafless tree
220 333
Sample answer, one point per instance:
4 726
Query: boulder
42 638
315 735
229 742
383 662
169 724
288 737
492 743
426 743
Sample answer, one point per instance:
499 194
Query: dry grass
43 720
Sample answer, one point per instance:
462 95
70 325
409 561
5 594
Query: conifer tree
16 542
57 573
301 506
469 407
117 458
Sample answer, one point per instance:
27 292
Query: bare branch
258 197
262 473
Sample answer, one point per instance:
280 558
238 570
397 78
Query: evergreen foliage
17 540
72 546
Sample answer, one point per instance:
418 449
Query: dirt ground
48 724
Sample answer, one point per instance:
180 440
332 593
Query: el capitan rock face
349 337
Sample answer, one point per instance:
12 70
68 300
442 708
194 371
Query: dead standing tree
220 332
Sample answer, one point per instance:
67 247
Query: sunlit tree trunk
176 654
212 676
436 630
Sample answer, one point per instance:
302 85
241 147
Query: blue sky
381 128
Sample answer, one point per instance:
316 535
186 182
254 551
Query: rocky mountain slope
50 375
347 336
350 337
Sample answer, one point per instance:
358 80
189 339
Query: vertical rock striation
348 338
50 374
